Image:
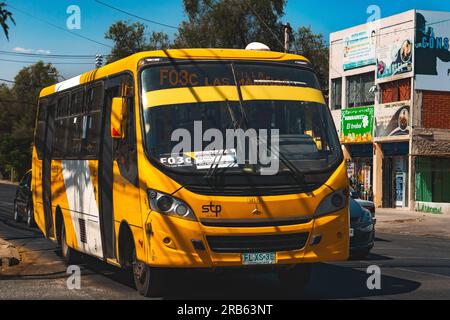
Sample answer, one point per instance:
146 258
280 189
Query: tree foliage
231 23
4 16
314 47
130 38
18 106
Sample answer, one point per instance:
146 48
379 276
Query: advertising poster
432 50
357 125
359 49
395 52
392 120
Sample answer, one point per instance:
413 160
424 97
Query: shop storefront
357 136
395 175
360 169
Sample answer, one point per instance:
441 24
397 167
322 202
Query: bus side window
92 121
61 128
39 135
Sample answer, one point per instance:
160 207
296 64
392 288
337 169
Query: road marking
425 273
7 203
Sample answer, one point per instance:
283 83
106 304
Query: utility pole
287 32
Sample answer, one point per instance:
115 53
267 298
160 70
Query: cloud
37 51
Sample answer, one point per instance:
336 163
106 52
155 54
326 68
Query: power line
23 61
391 32
58 27
9 81
47 55
136 16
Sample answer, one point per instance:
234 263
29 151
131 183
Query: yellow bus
107 182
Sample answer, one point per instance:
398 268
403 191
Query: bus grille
249 244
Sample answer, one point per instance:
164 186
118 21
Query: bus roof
130 63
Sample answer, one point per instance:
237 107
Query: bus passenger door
46 170
118 178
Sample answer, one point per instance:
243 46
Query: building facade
390 99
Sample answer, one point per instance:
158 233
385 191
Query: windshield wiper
218 157
236 125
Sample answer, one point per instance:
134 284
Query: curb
7 182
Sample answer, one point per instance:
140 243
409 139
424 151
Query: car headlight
168 205
332 203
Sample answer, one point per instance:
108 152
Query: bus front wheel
295 279
149 281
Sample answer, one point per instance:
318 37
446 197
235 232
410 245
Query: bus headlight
168 205
332 203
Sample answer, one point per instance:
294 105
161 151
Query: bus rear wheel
149 281
70 255
296 279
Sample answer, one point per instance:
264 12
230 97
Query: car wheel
149 281
295 279
30 215
17 216
70 255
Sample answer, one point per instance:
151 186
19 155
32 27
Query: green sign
357 125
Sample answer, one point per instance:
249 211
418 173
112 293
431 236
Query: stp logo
212 208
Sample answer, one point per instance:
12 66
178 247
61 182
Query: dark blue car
362 230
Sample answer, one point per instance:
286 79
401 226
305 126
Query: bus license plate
352 232
258 258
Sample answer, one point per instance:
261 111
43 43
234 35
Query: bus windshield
269 97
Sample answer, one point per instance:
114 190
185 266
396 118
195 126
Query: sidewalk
9 256
414 223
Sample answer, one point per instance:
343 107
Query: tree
131 38
4 16
313 47
18 106
231 23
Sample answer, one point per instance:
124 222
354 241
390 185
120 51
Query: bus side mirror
118 109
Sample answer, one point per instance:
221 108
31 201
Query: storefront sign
359 49
357 125
432 51
392 119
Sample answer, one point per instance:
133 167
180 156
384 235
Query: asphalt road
411 268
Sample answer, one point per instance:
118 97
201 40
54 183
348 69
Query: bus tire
69 255
296 279
17 215
149 281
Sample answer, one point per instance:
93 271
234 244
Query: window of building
433 179
395 91
336 94
358 90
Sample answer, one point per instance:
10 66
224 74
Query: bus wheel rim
139 271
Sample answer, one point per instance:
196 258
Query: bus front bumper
177 243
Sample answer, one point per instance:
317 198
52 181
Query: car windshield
197 98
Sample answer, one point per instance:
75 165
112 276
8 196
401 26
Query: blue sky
32 35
